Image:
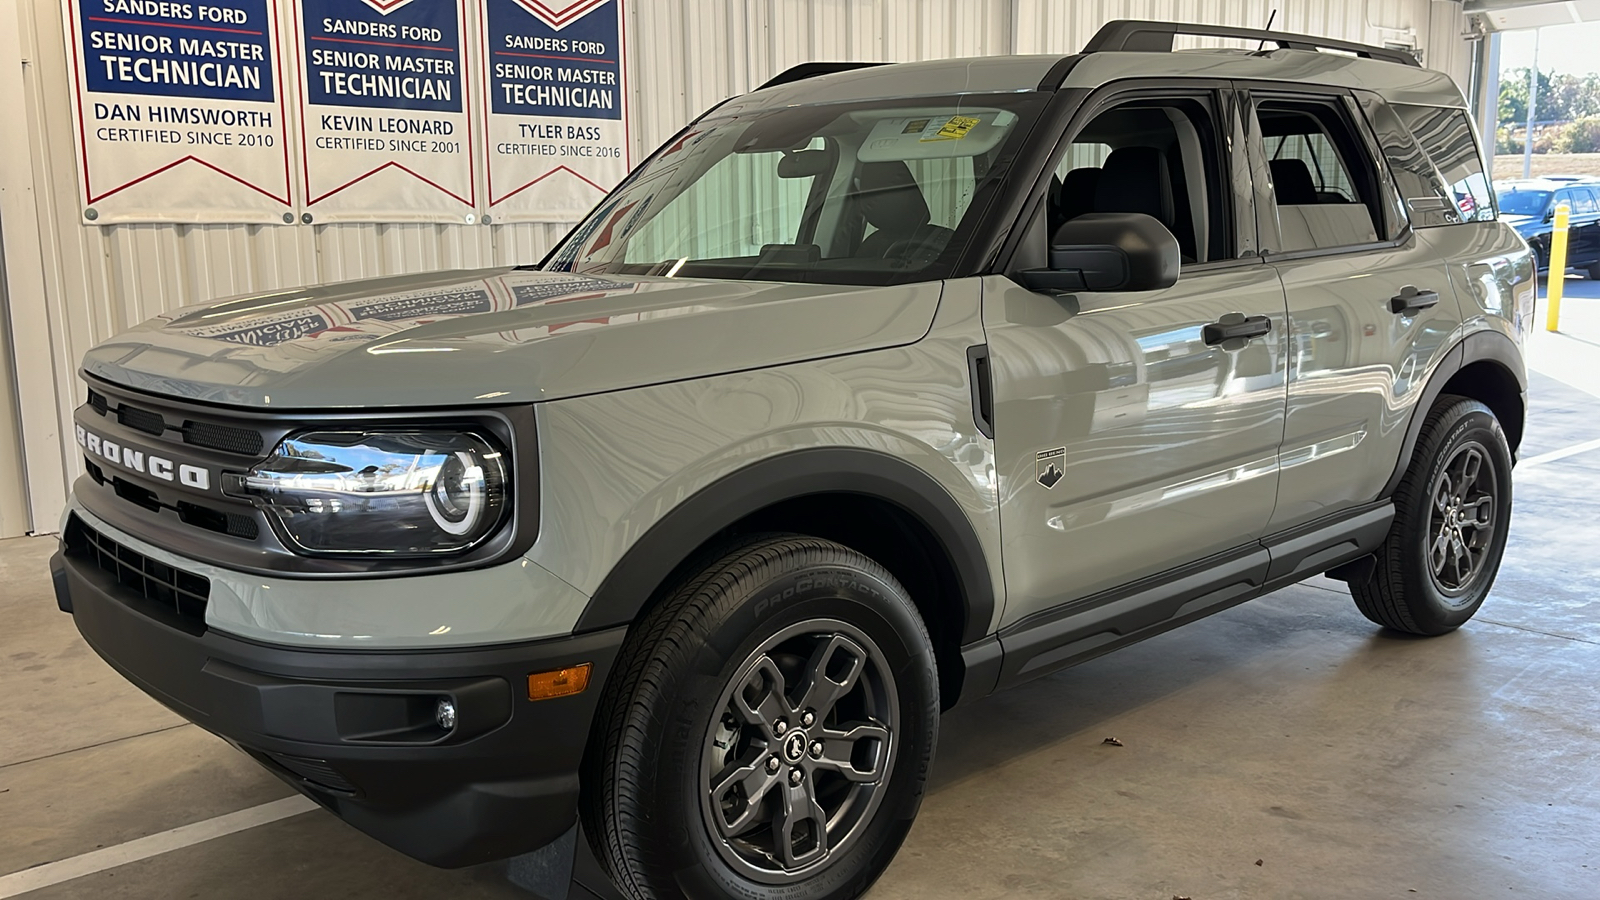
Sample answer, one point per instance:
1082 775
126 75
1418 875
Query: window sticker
953 130
934 134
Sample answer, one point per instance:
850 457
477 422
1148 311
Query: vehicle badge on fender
1051 465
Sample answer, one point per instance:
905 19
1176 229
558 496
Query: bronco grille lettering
159 467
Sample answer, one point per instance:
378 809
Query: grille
231 524
211 435
242 441
184 593
141 420
316 771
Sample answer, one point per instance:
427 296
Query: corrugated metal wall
13 509
685 55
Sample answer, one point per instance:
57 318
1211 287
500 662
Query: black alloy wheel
1463 521
768 731
797 762
1451 514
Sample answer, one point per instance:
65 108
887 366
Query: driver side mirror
1108 252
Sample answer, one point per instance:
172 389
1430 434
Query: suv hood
497 335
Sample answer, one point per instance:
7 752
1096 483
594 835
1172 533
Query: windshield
1523 203
876 192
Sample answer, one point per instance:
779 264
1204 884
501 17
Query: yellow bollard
1558 268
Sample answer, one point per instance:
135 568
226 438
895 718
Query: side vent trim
982 389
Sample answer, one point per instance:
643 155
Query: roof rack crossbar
812 70
1156 37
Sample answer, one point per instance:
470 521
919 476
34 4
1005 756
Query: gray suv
874 390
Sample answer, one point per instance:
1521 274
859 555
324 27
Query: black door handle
1411 299
1235 326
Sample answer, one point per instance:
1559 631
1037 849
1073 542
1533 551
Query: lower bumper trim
355 731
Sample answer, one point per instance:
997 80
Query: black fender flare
655 556
1480 346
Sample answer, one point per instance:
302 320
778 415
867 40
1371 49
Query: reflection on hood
358 319
502 335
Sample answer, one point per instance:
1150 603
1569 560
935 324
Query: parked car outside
1530 208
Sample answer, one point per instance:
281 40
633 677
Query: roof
1537 184
1122 49
971 75
1396 83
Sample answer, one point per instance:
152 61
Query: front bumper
355 730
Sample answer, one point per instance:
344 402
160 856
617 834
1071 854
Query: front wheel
1452 511
768 732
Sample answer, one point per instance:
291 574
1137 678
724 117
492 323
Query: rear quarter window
1447 137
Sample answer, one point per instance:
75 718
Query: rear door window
1323 181
1583 201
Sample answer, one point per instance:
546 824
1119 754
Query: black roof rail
1156 37
813 69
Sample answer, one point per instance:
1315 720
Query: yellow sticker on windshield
954 130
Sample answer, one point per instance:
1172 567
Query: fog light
445 715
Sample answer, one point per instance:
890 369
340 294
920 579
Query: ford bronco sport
872 391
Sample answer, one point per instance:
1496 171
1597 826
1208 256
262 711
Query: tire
1593 271
691 713
1443 550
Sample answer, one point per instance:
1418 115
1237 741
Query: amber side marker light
560 683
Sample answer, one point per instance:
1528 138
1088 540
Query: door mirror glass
1109 252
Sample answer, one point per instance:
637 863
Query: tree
1575 97
1561 98
1514 96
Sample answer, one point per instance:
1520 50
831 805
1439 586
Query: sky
1565 49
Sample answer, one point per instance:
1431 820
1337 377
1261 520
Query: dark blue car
1530 208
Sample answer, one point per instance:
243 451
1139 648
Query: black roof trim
812 70
1058 72
1156 37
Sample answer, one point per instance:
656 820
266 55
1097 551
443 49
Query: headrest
1136 180
890 198
1077 192
1291 182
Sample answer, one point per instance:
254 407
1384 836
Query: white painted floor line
1563 453
154 845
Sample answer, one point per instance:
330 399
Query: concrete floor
1283 749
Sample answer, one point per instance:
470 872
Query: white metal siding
13 509
685 55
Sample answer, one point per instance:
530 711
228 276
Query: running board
1088 627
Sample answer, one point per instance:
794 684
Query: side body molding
1480 346
662 550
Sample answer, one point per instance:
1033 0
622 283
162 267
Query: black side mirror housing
1108 252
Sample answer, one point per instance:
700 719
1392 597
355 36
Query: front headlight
380 492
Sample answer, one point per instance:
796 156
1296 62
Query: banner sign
384 116
178 110
555 88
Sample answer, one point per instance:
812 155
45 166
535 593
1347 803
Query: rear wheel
1452 510
768 732
1594 271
